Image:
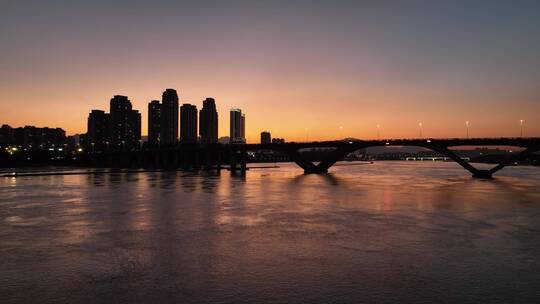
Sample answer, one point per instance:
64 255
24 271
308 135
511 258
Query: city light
12 150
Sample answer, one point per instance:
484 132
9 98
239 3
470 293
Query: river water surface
389 232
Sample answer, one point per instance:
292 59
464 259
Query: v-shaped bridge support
480 173
327 162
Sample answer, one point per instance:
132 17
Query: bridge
214 155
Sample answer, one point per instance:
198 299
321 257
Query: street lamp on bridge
421 129
521 128
467 124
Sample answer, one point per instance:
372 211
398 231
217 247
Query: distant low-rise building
278 140
224 140
266 138
33 138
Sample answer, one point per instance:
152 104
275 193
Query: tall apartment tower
208 122
237 126
169 118
188 123
98 131
125 129
135 127
154 120
243 128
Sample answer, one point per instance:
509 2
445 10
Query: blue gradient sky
300 69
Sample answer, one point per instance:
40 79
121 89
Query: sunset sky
300 69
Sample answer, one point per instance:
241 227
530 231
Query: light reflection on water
386 232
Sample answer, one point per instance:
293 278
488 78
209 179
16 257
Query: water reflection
374 232
329 178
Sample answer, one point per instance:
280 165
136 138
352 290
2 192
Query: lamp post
467 124
378 132
521 128
340 132
421 130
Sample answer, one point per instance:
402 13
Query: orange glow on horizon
296 115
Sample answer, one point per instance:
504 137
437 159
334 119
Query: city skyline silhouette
301 70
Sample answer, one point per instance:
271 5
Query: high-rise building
237 126
6 135
243 127
135 127
266 138
125 124
154 120
98 131
169 118
208 122
188 123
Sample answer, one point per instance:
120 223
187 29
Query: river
388 232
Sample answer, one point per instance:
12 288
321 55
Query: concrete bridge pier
485 174
243 160
174 159
218 160
232 160
315 170
186 160
476 173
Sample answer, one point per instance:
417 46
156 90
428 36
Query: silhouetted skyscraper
154 120
237 126
125 124
98 131
208 122
169 118
135 127
266 138
243 127
188 123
